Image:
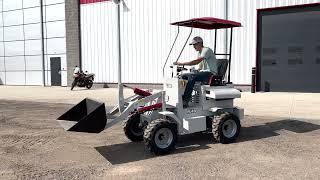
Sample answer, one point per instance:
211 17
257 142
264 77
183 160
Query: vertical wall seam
4 49
46 45
24 47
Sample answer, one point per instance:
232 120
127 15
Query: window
14 48
32 15
56 46
33 47
11 4
54 12
15 63
32 31
55 29
33 63
13 33
30 3
13 18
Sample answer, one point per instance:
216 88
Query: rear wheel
225 127
160 136
132 129
89 84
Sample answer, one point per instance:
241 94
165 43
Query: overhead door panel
288 50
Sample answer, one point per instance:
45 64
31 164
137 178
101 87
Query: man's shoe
185 104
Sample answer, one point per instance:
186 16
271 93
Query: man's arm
200 67
191 63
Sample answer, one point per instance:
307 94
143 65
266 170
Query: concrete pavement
279 139
287 105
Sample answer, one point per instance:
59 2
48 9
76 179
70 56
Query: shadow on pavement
135 151
81 89
269 129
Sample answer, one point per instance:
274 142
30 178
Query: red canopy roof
207 23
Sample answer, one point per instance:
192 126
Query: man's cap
196 40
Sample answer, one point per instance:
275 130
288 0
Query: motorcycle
83 80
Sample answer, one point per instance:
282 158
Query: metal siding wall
98 40
244 44
146 36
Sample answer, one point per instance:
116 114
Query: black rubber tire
131 128
217 124
73 84
89 84
150 133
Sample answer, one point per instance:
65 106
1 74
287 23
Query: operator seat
216 80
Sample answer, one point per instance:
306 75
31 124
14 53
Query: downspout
79 27
226 38
42 45
227 18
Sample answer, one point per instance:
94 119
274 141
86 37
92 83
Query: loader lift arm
134 106
90 116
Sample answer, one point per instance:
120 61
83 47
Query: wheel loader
158 119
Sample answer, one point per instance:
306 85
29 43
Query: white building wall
244 46
55 38
21 61
147 36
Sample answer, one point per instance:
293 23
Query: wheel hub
136 129
229 128
163 138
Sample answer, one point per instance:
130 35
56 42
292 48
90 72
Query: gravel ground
279 139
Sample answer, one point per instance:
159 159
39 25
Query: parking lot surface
279 139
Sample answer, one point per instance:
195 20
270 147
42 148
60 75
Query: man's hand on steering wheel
175 63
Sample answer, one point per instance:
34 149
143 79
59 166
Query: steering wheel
181 68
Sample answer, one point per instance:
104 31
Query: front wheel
132 129
73 84
225 127
160 136
89 84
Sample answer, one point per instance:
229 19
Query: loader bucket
87 116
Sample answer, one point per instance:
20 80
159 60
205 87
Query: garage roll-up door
289 49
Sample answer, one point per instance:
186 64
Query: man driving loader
208 67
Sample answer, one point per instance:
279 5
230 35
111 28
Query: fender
171 115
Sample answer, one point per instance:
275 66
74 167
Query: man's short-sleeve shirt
209 61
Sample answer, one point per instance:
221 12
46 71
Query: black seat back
217 80
222 67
